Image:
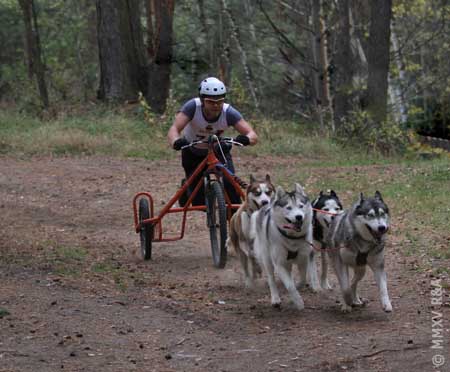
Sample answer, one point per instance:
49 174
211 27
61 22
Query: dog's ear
361 200
320 193
299 189
333 194
252 179
280 192
268 179
378 195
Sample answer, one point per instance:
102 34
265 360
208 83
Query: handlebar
213 138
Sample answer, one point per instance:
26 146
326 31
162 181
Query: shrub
361 131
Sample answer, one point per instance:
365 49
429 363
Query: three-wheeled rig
218 206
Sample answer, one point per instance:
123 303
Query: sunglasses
214 101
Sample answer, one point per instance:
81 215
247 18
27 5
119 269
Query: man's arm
245 128
180 122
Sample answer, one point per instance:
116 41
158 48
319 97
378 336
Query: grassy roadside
104 132
418 191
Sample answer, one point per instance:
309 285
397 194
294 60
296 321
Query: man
201 117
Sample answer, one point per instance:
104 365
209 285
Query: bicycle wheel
146 233
216 210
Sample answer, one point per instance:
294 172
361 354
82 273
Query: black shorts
190 161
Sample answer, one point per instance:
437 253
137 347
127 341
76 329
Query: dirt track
80 298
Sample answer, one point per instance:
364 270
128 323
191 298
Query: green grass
128 135
3 312
67 260
112 269
87 134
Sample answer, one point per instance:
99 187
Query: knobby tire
146 233
217 222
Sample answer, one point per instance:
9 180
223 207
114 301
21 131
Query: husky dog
357 239
282 236
325 208
259 194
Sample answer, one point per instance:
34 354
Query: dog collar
282 232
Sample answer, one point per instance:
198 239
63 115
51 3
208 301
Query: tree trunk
399 103
250 12
378 59
315 48
321 79
343 74
206 34
122 74
150 10
223 57
33 47
161 59
242 52
325 74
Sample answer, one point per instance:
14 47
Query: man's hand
179 143
226 147
243 139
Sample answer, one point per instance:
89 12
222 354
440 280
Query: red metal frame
212 165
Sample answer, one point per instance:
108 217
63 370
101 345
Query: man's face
213 106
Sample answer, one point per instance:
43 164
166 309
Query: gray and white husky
357 238
282 236
326 206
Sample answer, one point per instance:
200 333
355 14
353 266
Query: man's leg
190 162
230 190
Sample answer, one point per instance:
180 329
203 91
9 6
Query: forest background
363 72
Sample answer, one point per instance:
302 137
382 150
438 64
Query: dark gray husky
356 239
326 206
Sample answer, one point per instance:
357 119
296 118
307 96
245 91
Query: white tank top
198 128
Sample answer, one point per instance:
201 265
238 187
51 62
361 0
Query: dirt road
75 295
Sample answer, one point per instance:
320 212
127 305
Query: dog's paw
315 288
299 305
275 301
346 308
360 302
326 286
387 307
276 305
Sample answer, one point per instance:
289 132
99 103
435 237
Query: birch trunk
325 76
398 98
242 52
249 11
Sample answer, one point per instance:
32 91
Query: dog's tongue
292 226
377 234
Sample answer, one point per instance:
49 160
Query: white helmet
212 87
